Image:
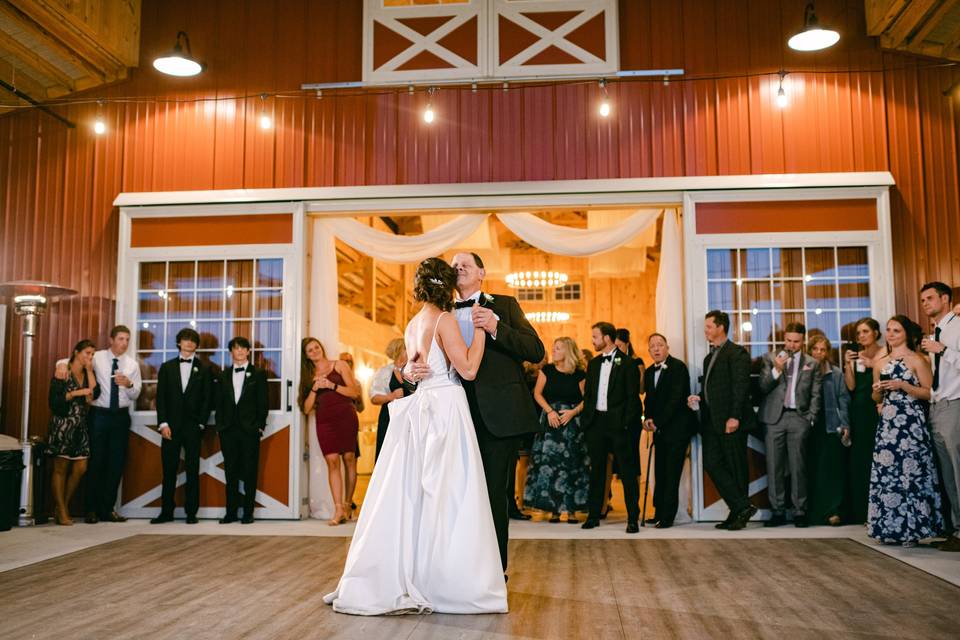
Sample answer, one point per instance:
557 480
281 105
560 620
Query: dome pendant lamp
813 37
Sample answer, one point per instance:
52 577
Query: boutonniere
488 297
807 367
248 374
195 369
616 360
663 367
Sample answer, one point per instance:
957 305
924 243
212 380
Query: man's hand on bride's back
416 371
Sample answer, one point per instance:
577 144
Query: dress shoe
227 519
113 516
664 524
950 544
192 520
742 518
555 519
92 518
160 519
572 519
776 520
246 520
722 525
653 520
519 515
800 521
591 523
633 527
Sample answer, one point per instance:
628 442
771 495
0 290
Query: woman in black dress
858 364
558 480
388 386
68 435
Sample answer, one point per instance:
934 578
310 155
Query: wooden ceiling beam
23 82
881 14
934 20
906 23
35 61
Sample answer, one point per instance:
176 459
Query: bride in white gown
425 540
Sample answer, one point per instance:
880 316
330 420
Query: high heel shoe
338 517
62 518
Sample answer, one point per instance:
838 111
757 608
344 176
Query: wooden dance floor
172 586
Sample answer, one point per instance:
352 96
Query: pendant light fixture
604 109
782 100
178 63
813 37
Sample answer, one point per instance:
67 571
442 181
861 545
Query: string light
604 99
99 124
428 114
536 279
782 100
547 316
266 121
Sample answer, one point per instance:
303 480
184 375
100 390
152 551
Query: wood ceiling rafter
929 28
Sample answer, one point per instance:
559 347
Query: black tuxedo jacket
728 389
666 402
623 391
499 392
250 413
184 409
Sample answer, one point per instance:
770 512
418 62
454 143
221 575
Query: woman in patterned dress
68 435
904 493
558 480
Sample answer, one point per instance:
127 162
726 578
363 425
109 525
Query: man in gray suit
791 384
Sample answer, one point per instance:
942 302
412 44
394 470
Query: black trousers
725 459
109 438
188 439
241 460
669 456
499 457
602 439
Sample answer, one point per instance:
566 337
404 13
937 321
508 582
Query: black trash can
11 470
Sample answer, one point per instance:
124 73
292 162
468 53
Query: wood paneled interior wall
852 108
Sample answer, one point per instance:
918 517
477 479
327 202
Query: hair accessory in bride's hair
436 281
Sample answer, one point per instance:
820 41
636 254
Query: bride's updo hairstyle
434 283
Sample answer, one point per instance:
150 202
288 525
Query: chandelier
536 279
548 316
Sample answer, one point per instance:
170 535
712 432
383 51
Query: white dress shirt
465 319
790 397
605 368
657 370
238 379
103 365
948 387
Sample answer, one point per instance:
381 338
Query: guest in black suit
184 397
726 415
611 403
501 405
667 383
241 418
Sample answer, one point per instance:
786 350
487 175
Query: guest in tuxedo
636 429
241 405
119 378
184 401
726 415
791 384
667 385
500 403
943 347
388 386
611 403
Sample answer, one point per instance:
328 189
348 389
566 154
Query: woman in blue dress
558 479
904 503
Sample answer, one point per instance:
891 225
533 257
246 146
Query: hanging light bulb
265 120
99 125
604 99
428 114
176 63
813 37
782 100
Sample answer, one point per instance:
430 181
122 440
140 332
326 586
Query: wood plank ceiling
52 48
929 28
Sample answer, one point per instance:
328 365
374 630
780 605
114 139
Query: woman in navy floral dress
558 479
904 493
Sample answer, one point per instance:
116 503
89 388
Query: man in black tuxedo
668 417
184 396
726 415
611 403
241 418
501 405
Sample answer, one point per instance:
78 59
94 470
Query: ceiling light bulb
99 126
604 108
428 114
782 98
178 63
265 121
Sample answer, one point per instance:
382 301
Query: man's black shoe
742 518
591 523
160 519
776 520
519 515
227 519
247 520
192 520
633 527
800 521
664 524
653 520
92 518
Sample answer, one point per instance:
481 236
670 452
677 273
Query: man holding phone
791 384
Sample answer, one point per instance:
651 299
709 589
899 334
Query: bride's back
419 338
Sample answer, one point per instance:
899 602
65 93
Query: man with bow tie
241 404
792 385
184 397
501 405
667 384
611 403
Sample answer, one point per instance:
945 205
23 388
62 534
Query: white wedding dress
425 540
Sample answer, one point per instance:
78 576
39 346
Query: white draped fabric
324 322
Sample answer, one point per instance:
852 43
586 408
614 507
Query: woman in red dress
328 387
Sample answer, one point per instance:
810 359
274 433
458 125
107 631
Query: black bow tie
658 367
607 358
713 348
239 369
463 304
186 360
